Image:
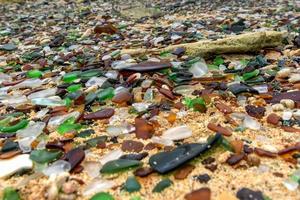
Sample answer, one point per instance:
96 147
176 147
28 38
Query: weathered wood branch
244 43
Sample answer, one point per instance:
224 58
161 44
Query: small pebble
234 159
284 73
70 187
288 103
219 129
248 194
122 97
184 171
208 161
202 178
277 174
237 146
212 167
253 160
287 115
262 152
143 171
101 114
200 194
277 107
132 146
255 111
143 129
135 156
223 108
273 119
294 78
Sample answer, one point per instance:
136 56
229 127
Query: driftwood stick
244 43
